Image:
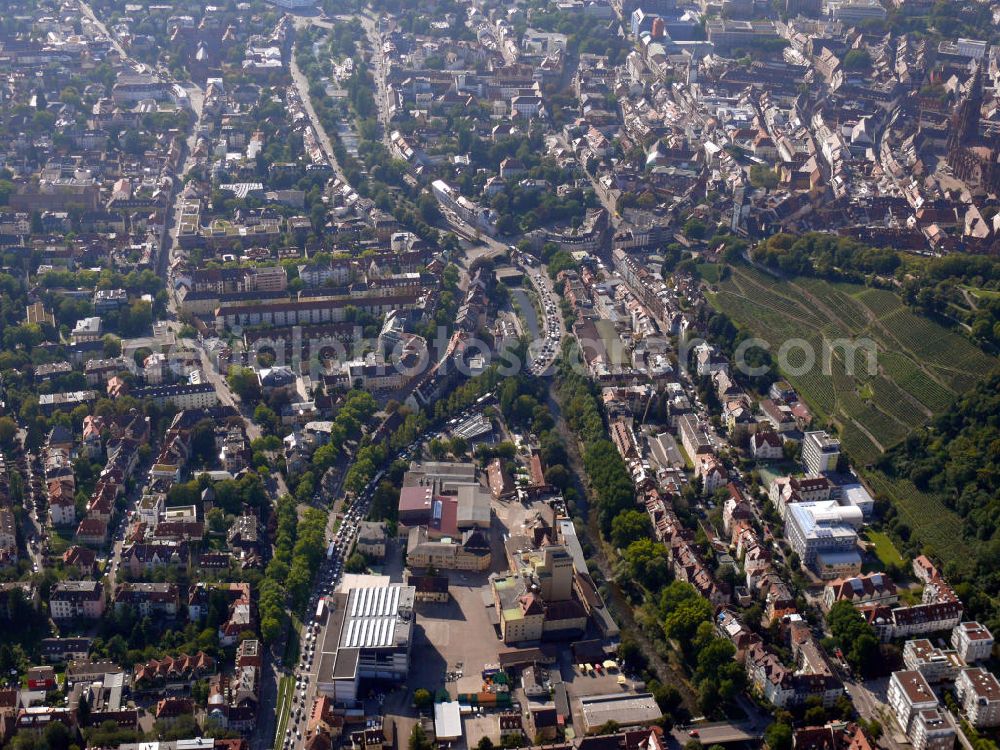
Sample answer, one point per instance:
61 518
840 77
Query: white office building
825 536
820 452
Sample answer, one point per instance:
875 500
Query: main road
301 84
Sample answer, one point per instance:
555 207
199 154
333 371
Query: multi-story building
76 599
711 471
62 507
470 551
979 694
935 664
785 491
62 650
869 588
183 396
729 35
469 211
932 730
371 539
135 87
908 696
309 311
146 557
693 436
149 598
538 598
824 535
8 537
972 641
854 11
150 508
366 633
267 279
109 300
50 403
820 452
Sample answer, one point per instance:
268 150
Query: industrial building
366 634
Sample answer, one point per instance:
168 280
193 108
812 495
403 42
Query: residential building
87 329
711 471
8 537
932 730
50 403
144 558
306 311
109 300
868 588
978 694
169 711
693 436
76 599
182 396
909 694
149 598
972 641
767 445
63 650
172 672
935 664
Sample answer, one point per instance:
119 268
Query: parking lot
456 637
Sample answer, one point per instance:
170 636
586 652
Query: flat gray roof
621 707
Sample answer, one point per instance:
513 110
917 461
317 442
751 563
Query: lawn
709 272
58 543
293 645
921 366
982 293
885 550
286 688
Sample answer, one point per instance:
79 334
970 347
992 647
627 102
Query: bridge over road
719 733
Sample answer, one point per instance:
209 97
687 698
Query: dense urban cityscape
467 374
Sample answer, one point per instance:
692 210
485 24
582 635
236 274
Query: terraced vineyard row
859 447
934 522
957 381
761 286
847 310
935 345
880 301
901 370
893 400
921 366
